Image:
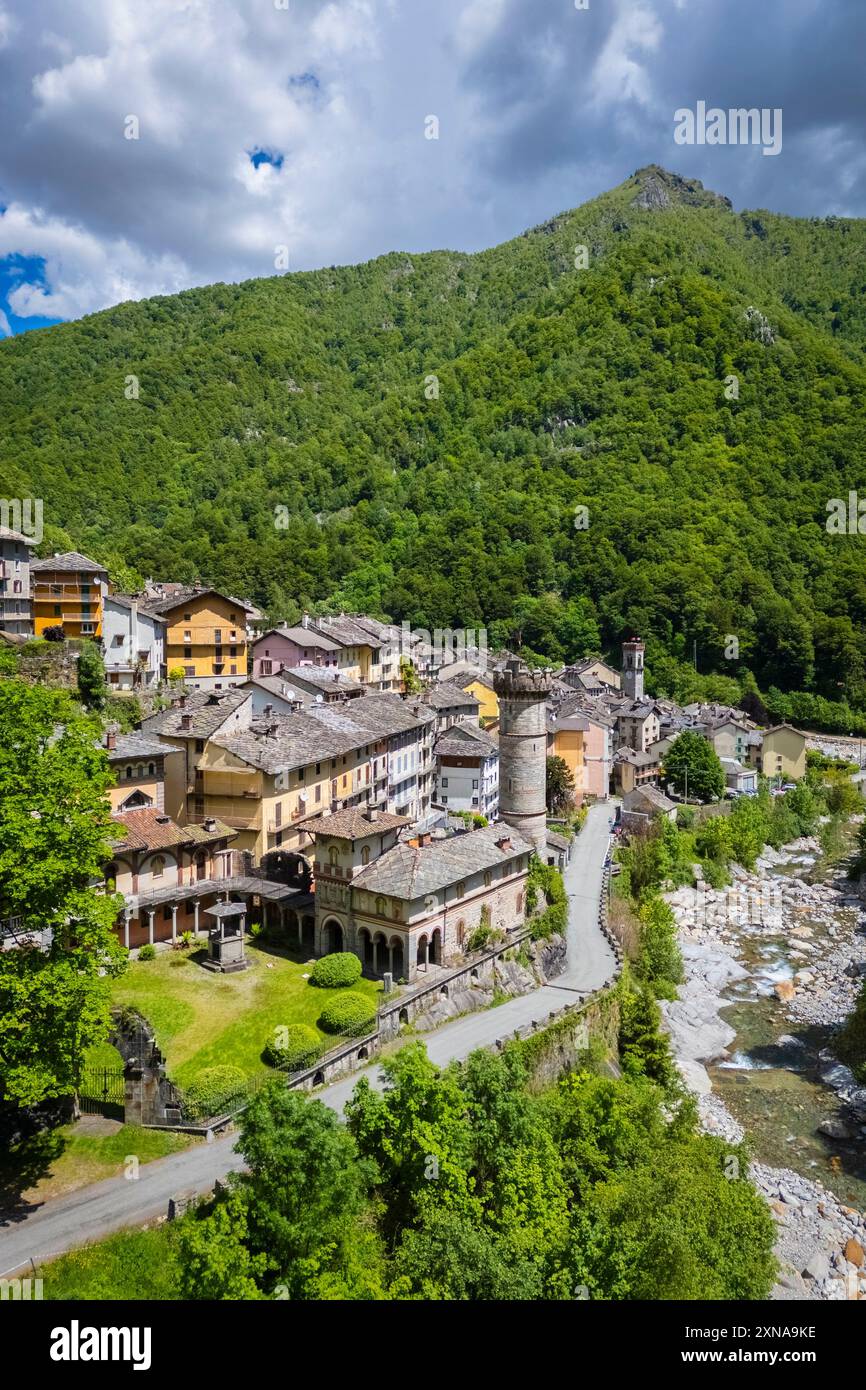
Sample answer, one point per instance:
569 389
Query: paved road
95 1211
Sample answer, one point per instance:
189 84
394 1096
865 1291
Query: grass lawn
129 1265
57 1161
204 1020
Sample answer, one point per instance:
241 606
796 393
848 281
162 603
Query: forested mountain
607 386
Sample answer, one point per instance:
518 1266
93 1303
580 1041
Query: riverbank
772 965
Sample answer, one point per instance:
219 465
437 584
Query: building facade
16 602
69 591
133 643
205 636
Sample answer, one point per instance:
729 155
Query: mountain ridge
433 420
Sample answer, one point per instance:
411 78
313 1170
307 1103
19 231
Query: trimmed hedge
298 1047
352 1014
214 1092
337 970
147 952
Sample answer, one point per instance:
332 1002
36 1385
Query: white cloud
5 326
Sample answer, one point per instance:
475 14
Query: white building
467 770
133 642
16 604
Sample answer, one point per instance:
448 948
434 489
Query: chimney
305 621
182 702
186 722
372 814
424 839
163 820
504 842
209 823
268 710
111 739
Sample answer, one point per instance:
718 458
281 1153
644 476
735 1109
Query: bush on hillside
293 1047
335 971
213 1092
352 1014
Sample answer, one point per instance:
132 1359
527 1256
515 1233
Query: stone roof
558 841
208 710
135 745
347 632
321 677
130 601
7 534
71 560
302 637
150 828
465 739
410 872
353 824
164 603
447 694
656 798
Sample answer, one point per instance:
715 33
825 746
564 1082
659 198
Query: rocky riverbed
772 966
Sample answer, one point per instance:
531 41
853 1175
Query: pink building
293 646
597 758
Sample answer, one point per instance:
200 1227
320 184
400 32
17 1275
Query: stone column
195 910
375 956
390 958
150 912
174 921
126 929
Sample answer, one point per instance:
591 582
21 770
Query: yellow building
567 742
206 636
781 753
69 591
488 704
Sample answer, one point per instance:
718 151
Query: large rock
854 1252
834 1128
785 990
818 1267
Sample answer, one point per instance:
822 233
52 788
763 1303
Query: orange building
206 635
69 591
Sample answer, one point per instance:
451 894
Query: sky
151 145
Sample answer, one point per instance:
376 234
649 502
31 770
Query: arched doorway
332 936
395 950
308 933
380 954
365 946
421 953
436 947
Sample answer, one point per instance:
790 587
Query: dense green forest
430 424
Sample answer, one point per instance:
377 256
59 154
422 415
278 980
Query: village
363 798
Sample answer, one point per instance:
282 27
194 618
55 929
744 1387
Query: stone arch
380 953
421 952
444 991
473 974
436 946
404 1016
399 967
332 936
365 946
319 1078
363 1054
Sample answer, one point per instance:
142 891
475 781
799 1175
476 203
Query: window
187 617
474 783
57 610
266 668
461 890
318 791
199 745
218 635
365 854
129 770
233 651
333 856
488 878
381 907
189 670
445 781
187 636
318 769
187 652
157 867
151 769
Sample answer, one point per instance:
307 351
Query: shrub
294 1047
660 961
352 1014
335 971
213 1092
146 952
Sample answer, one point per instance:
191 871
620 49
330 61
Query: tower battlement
515 678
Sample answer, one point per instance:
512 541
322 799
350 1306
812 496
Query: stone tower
632 668
523 696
